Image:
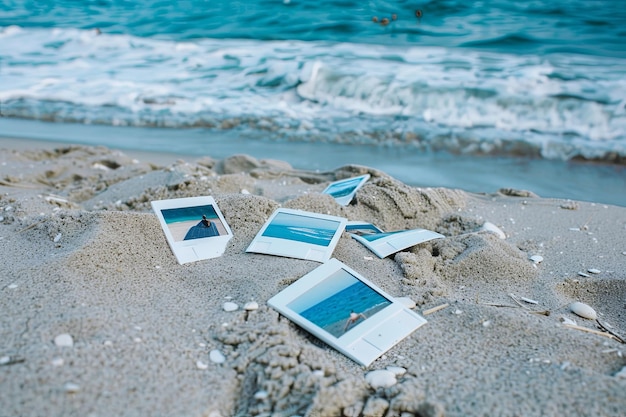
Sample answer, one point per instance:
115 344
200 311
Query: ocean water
469 90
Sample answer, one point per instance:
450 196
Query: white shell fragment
529 300
536 259
64 340
381 378
261 395
490 227
216 356
582 274
593 271
57 237
71 388
230 306
201 365
583 310
251 305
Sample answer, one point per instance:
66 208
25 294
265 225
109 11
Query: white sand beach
100 320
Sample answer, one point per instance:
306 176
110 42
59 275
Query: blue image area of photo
185 214
377 236
343 188
302 229
330 303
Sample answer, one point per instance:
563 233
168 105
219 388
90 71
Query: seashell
64 340
397 370
593 271
536 259
381 378
490 227
201 365
216 356
251 305
406 301
583 310
230 306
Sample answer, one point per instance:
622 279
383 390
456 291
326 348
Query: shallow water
560 179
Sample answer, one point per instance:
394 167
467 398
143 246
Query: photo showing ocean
190 223
343 188
330 303
460 94
306 229
185 214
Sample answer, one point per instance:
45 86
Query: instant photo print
384 244
348 312
299 234
194 227
344 190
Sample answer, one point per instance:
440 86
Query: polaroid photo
194 227
348 312
299 234
384 244
344 191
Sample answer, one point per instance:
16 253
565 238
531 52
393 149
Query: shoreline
100 319
576 180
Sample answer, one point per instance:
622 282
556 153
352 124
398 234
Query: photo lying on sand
344 190
301 228
339 303
194 227
187 223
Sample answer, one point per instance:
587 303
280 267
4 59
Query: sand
83 255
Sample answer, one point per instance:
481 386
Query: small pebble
230 306
486 323
458 312
201 365
593 271
216 356
536 259
71 388
12 286
381 378
4 360
261 395
245 192
57 237
64 340
583 310
57 362
251 305
490 227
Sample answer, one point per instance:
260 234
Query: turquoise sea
476 95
